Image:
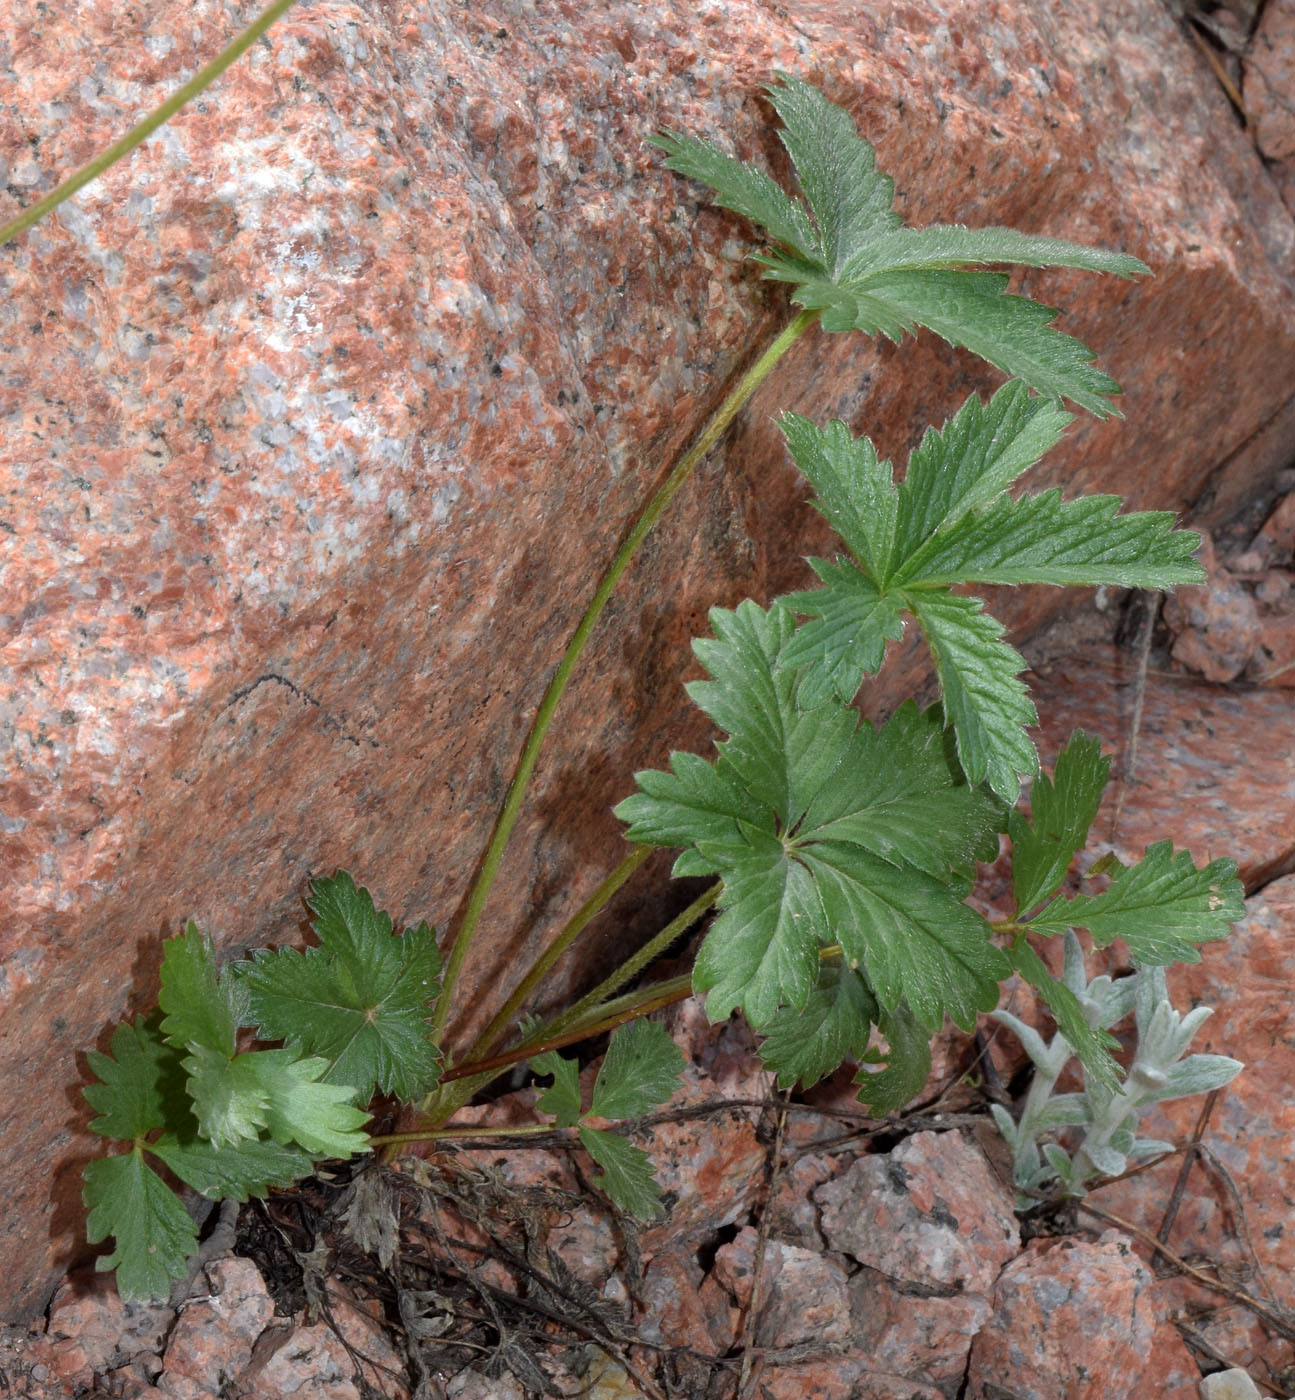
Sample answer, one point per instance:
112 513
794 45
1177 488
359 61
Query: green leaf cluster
950 523
835 840
847 254
640 1070
176 1088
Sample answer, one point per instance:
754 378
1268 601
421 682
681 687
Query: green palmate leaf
907 1064
985 702
971 310
141 1084
1092 1045
204 1006
822 829
234 1173
361 999
847 639
846 254
806 1045
640 1070
947 524
1161 907
627 1173
300 1107
915 940
562 1097
739 187
951 245
1062 811
274 1091
1041 539
153 1233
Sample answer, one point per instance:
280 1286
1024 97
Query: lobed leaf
850 259
301 1107
1161 907
970 462
141 1083
562 1097
837 170
987 705
835 1024
846 640
627 1173
229 1102
361 999
1041 539
203 1005
916 941
974 311
821 827
739 187
945 246
907 1064
641 1069
1062 809
854 492
153 1234
232 1173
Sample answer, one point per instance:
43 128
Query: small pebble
1229 1385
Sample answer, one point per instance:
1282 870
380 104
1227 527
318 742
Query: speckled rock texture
1269 77
1078 1318
318 415
934 1188
1215 766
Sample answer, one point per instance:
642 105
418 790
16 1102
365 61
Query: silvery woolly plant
1106 1117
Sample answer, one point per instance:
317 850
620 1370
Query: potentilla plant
841 853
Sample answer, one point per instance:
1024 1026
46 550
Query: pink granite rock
803 1292
1079 1320
212 1341
92 1331
1269 80
671 1309
321 411
929 1214
710 1167
910 1333
1215 769
1215 624
840 1378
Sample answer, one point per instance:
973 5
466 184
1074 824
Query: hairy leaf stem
573 1023
596 902
649 516
627 1008
202 79
431 1134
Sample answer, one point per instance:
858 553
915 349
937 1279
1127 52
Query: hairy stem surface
651 513
596 902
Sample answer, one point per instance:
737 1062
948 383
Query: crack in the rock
330 721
